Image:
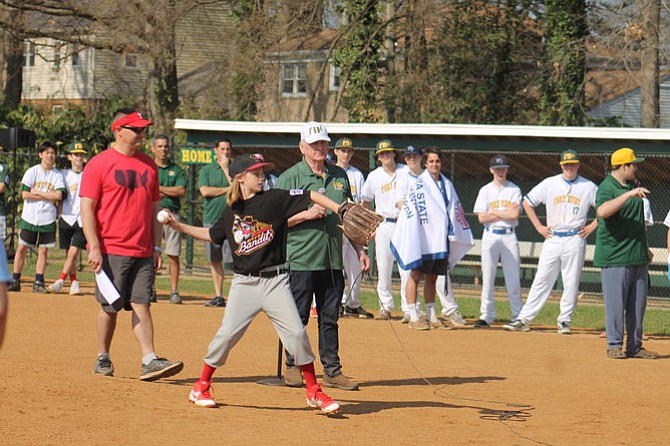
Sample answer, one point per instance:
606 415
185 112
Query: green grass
589 315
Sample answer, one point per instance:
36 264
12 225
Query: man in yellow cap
623 256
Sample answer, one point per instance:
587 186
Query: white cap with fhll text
314 131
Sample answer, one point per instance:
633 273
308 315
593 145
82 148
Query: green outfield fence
468 170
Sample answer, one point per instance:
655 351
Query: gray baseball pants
249 296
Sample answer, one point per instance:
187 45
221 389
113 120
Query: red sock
73 277
62 276
309 375
207 372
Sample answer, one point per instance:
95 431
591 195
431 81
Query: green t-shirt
316 245
171 175
4 178
212 175
621 239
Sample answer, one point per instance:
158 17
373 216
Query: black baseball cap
498 161
244 163
411 150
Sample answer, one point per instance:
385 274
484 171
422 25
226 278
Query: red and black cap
244 163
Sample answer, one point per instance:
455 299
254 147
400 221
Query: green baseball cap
76 147
344 143
385 145
569 157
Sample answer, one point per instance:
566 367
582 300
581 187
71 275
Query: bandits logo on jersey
251 235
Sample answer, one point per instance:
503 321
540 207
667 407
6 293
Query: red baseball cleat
200 394
316 399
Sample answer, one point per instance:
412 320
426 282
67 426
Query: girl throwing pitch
255 225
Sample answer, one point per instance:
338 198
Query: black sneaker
39 287
218 301
481 323
159 368
357 312
14 286
103 366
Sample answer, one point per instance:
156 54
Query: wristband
158 249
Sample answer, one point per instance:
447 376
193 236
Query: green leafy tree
359 60
562 101
484 66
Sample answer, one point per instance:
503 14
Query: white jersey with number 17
567 202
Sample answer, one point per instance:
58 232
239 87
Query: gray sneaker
517 326
159 368
39 287
175 298
103 366
15 285
456 319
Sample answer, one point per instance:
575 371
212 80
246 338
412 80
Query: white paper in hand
106 287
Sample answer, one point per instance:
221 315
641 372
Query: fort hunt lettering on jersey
571 199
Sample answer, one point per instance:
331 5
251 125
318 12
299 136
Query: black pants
327 288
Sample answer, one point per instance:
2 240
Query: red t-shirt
125 188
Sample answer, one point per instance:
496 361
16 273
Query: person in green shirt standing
623 256
172 188
314 252
214 184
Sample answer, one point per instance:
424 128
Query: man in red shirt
119 202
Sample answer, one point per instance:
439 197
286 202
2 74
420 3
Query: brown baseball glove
358 222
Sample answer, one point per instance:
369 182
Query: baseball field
456 387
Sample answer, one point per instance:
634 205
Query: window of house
294 79
57 108
75 54
29 55
334 78
57 56
131 60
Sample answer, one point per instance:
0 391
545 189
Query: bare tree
134 26
650 16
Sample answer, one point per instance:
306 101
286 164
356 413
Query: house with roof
615 96
57 73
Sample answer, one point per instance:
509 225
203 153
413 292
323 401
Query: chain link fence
468 170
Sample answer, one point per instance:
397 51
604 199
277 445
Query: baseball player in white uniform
70 232
351 301
567 198
443 286
498 206
42 186
380 186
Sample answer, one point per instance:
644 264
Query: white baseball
163 216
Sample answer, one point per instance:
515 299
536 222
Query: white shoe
56 286
405 318
456 319
74 287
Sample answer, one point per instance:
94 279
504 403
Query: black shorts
70 235
437 267
37 239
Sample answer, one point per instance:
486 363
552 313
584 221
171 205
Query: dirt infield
488 386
